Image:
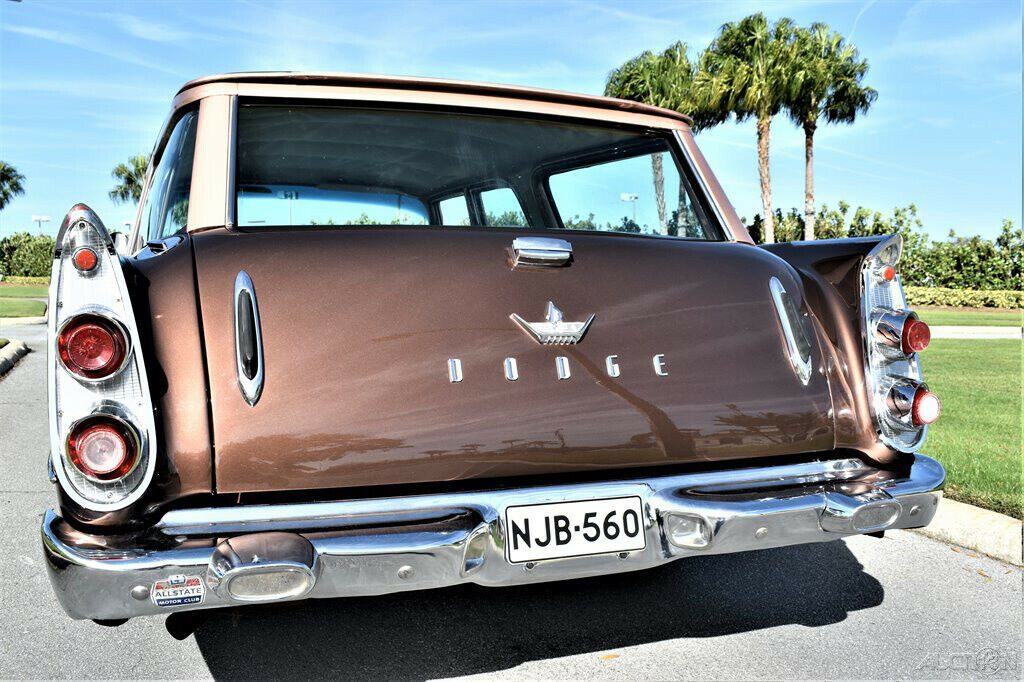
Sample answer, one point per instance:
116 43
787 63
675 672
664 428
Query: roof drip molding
436 85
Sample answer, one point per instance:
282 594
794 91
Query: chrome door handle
248 339
540 251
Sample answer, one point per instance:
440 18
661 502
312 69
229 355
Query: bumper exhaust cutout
263 567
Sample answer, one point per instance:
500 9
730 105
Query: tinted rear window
303 164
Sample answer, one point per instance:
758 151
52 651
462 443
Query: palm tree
130 178
826 83
663 80
746 72
10 183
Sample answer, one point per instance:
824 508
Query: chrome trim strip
232 134
801 365
381 546
703 183
251 387
249 519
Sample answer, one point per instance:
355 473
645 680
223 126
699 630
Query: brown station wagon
379 334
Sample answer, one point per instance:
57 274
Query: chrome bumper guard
264 553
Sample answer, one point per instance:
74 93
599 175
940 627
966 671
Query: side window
641 194
454 210
501 208
166 209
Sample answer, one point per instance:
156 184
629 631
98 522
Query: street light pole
631 198
39 220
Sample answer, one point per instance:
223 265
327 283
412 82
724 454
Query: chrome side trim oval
248 351
801 364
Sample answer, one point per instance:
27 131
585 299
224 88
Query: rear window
310 164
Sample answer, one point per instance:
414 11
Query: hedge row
25 255
33 281
971 298
954 263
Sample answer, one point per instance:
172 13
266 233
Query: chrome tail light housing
901 404
102 429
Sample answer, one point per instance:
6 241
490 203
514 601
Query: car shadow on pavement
470 629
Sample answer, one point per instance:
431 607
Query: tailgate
359 324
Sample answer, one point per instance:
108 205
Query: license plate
559 530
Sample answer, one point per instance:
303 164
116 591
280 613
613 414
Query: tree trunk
763 130
809 180
658 170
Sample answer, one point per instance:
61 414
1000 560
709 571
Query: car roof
435 85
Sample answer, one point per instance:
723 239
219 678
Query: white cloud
95 46
89 90
149 30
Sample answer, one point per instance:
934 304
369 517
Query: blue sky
84 85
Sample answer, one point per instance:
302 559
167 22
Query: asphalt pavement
901 606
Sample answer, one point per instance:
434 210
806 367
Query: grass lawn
23 290
20 307
978 436
985 317
14 299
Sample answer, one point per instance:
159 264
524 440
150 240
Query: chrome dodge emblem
554 330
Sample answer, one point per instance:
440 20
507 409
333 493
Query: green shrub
956 263
971 298
25 255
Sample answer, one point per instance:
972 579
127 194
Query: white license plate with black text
566 529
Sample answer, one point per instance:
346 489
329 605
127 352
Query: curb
12 321
10 354
990 533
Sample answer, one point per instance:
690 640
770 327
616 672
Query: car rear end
394 335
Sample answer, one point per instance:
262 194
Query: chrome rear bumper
378 546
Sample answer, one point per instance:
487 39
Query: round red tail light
92 346
916 336
103 448
85 259
926 407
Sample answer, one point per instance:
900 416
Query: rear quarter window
166 206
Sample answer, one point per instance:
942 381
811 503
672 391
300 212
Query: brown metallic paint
359 323
830 272
163 293
177 377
